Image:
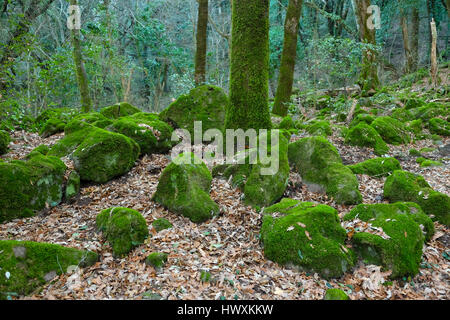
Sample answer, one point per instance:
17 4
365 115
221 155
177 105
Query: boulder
319 128
363 135
376 167
390 235
439 126
52 126
92 119
321 168
118 110
123 228
308 236
184 187
161 224
391 130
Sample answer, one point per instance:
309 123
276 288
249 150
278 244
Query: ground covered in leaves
227 246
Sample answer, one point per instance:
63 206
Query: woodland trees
200 55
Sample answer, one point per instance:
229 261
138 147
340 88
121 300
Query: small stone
50 275
20 252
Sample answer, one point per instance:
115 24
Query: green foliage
335 294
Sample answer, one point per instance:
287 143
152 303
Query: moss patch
161 224
320 128
72 186
118 110
5 139
391 130
376 167
439 126
363 135
51 127
336 294
156 259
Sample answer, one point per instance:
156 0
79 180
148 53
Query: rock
123 228
184 187
5 139
72 186
320 165
336 294
391 130
40 150
92 119
319 128
118 110
308 236
30 186
363 135
445 150
376 167
439 126
157 260
287 123
152 134
365 118
415 127
161 224
394 236
61 114
402 114
406 186
52 126
31 264
205 103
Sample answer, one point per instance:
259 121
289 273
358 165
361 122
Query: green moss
287 123
51 127
205 276
363 135
4 142
118 110
184 188
320 165
123 228
152 134
30 263
308 237
87 120
400 250
335 294
62 114
427 150
365 118
392 131
415 127
439 126
320 128
207 104
414 103
406 186
376 167
415 153
430 163
430 111
30 186
420 159
161 224
157 260
72 186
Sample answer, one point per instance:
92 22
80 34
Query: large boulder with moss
184 187
123 228
308 236
363 135
390 235
376 167
5 139
365 118
152 134
85 120
391 130
407 186
30 186
207 104
118 110
26 265
98 155
52 126
439 126
321 168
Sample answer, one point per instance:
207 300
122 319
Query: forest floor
227 246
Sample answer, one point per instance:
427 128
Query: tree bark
287 67
406 41
202 36
369 74
415 25
249 72
434 68
86 102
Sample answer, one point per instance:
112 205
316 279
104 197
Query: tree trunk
448 8
86 102
202 36
369 74
434 68
287 68
406 41
414 46
249 72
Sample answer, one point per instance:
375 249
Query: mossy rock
415 127
161 224
429 111
157 260
52 126
414 153
62 114
376 167
402 114
5 139
439 126
400 247
87 120
406 186
30 264
72 186
152 134
184 187
207 104
308 236
118 110
335 294
430 163
320 166
287 123
30 186
366 118
392 131
414 103
320 128
363 135
123 228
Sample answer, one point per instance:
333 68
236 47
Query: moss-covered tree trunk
415 26
86 102
369 73
202 36
287 68
448 8
249 74
406 40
